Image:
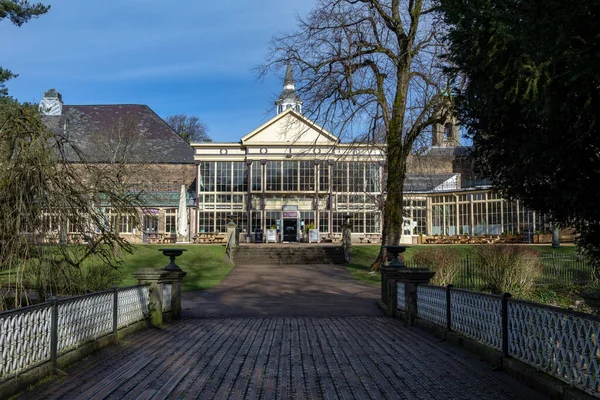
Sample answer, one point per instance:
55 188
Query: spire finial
288 97
289 77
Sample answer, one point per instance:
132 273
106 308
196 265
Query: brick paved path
241 353
284 290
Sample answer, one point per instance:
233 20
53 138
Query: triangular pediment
292 128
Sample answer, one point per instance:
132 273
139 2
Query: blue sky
192 57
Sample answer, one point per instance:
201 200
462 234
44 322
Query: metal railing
558 269
31 336
560 342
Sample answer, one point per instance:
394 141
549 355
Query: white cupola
288 97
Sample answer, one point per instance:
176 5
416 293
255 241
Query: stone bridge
279 332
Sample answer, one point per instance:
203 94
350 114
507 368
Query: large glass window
372 222
338 222
324 177
123 223
206 222
273 178
324 221
357 221
479 218
223 176
271 218
340 177
526 220
290 176
308 217
150 221
356 179
437 219
510 217
419 217
221 221
450 219
207 177
464 219
171 220
494 217
256 176
372 178
255 220
240 177
307 176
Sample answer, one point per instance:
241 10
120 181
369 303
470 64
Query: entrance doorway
290 230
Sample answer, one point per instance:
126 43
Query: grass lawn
205 264
363 257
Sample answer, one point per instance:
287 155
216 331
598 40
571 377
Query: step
276 254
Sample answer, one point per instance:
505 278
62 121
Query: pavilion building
289 174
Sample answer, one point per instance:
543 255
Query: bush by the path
444 261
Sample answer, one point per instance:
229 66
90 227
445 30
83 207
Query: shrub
508 268
444 261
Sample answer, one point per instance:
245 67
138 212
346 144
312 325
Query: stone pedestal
555 238
232 231
396 272
411 277
157 278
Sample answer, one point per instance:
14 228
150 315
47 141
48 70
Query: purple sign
290 214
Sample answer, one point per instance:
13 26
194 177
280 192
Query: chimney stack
51 103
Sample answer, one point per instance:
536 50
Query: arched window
448 135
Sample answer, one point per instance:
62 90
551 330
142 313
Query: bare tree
367 69
189 128
43 197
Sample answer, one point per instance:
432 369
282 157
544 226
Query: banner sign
271 236
313 236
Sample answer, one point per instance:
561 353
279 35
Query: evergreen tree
531 102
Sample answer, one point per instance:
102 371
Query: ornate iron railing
24 338
132 305
401 296
563 343
477 315
83 319
431 303
34 335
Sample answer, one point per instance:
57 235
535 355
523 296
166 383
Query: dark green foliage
21 11
531 102
4 76
18 12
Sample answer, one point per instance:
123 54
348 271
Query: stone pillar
157 278
232 230
347 238
555 237
395 272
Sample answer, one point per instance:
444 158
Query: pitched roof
289 126
448 151
430 183
131 133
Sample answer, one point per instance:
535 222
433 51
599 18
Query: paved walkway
228 348
285 290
